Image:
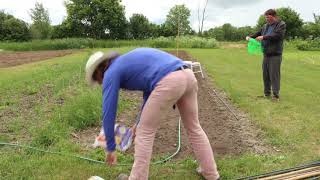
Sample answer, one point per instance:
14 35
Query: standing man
271 35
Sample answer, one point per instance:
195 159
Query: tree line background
105 19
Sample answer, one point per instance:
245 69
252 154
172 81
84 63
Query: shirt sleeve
110 94
256 34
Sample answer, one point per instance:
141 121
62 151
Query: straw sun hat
94 61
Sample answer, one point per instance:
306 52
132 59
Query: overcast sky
237 12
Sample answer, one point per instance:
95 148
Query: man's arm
277 34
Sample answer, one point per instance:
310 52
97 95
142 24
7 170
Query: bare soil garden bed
8 59
229 133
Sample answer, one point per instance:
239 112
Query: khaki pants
177 87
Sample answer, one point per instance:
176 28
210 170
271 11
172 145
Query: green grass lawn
44 102
292 125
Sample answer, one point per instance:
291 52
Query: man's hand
259 38
111 158
248 38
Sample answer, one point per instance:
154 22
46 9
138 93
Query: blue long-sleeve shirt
140 69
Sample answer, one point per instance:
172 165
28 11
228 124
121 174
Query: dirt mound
8 59
228 129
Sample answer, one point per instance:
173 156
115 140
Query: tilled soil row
9 59
228 129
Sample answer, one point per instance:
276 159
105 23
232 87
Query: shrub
162 42
197 42
309 45
184 42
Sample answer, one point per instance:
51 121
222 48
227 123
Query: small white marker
95 178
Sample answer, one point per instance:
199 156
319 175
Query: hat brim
94 61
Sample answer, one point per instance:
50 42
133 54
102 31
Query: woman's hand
111 158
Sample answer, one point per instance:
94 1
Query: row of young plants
81 43
161 42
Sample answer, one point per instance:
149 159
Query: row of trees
13 29
227 32
296 28
105 19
